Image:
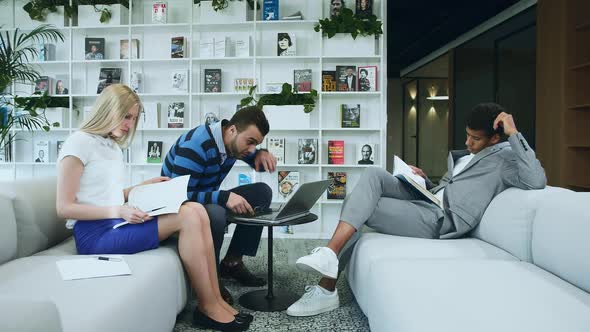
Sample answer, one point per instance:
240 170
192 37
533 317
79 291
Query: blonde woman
90 195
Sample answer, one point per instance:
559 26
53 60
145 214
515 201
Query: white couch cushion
7 230
18 314
507 222
561 234
148 300
374 248
472 295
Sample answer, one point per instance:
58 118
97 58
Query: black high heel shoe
244 317
204 321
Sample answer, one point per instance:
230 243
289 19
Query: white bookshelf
262 64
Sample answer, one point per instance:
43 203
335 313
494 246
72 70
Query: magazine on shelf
150 117
58 146
179 80
222 48
62 83
366 154
346 78
307 150
270 10
367 76
402 171
46 52
242 47
207 47
211 117
328 80
44 84
243 85
295 16
159 198
337 187
302 80
212 80
288 183
125 50
178 47
350 115
286 44
154 152
364 8
176 114
107 77
94 48
336 152
160 12
276 147
136 83
41 153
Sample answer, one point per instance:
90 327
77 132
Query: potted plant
287 109
225 11
16 51
87 10
49 11
343 31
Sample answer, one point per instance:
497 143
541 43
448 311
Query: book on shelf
150 116
222 48
41 153
207 47
270 10
94 48
243 85
212 80
350 116
364 8
242 47
44 84
273 87
244 178
158 198
307 150
366 154
276 147
302 80
179 80
336 152
61 84
58 146
160 12
125 50
154 152
293 17
46 52
288 183
107 77
367 78
337 186
346 78
177 47
328 80
286 44
211 117
136 83
176 114
402 171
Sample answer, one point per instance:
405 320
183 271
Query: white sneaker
322 260
314 302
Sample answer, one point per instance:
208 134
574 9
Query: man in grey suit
384 203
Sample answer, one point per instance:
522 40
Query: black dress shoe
203 321
244 317
240 273
225 294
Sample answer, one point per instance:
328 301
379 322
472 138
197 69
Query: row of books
350 78
307 149
95 48
43 152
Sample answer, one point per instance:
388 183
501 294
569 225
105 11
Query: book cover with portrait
177 47
350 115
176 115
154 152
337 186
41 152
302 80
211 116
365 154
125 50
61 86
367 76
336 152
286 44
307 150
212 80
364 8
94 49
288 183
44 84
107 77
346 78
276 147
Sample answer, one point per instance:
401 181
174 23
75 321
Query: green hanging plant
287 96
348 22
38 9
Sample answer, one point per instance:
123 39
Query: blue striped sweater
196 154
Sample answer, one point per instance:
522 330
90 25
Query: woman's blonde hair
110 110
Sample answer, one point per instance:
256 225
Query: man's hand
265 160
238 204
418 171
507 122
156 180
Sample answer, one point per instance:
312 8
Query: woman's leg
193 225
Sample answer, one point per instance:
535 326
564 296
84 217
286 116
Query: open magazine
402 171
158 198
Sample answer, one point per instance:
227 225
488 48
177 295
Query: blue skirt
99 237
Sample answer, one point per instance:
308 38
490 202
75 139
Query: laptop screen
304 198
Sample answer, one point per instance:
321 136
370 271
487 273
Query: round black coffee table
271 299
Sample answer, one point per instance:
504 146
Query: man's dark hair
364 71
482 117
251 115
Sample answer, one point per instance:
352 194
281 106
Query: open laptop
298 206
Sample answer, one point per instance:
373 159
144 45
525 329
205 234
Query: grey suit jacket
491 171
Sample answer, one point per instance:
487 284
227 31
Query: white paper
168 194
92 267
400 167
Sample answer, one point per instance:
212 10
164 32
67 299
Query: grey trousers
384 203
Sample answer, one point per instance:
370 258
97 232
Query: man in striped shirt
207 154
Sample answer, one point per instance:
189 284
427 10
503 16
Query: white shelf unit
155 64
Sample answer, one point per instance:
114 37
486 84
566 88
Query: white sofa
525 268
33 297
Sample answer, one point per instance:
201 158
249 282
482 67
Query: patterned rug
347 318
